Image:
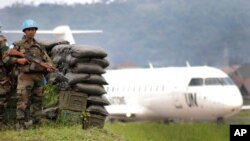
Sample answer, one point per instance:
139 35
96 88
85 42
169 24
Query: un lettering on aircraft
191 99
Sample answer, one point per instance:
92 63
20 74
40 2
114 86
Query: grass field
132 131
171 132
54 132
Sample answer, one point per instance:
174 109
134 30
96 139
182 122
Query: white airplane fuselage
186 93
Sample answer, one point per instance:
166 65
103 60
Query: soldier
5 84
30 81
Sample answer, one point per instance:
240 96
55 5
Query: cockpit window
196 82
218 81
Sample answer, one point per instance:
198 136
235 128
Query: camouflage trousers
30 88
4 91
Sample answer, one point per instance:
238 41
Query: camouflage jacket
24 46
3 68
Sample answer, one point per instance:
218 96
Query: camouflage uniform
5 84
30 82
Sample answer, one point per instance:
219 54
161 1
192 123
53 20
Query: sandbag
87 68
86 78
56 43
76 78
99 61
97 79
57 59
57 49
80 51
98 100
73 60
90 89
54 50
99 110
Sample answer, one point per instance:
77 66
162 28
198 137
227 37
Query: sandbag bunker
83 95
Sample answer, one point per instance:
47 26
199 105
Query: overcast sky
37 2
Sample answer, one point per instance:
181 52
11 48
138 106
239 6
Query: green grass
59 133
131 131
170 132
242 115
134 131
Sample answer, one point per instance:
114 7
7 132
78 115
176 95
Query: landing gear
168 121
220 120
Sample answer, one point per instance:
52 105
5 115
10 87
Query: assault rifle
14 52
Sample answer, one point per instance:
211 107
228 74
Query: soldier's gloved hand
22 61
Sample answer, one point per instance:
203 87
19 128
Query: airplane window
145 88
124 89
156 89
228 81
163 87
218 81
196 82
107 89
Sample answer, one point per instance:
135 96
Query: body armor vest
36 52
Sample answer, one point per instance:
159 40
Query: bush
51 97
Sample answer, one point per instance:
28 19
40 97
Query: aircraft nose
233 102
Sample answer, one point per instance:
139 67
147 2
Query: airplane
171 93
185 93
62 32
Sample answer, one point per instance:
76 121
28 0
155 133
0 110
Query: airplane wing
245 107
86 31
62 32
12 31
20 32
54 32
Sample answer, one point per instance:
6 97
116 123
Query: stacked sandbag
83 66
59 54
51 45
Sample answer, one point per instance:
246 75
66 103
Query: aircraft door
178 98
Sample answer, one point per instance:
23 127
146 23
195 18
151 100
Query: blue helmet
29 24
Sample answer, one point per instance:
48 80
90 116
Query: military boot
20 125
1 110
